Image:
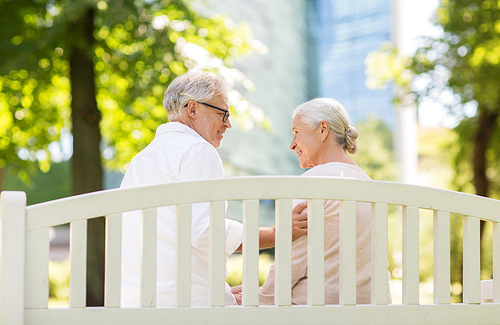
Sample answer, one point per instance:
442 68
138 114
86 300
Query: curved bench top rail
106 202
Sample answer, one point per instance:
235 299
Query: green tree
375 153
99 69
460 70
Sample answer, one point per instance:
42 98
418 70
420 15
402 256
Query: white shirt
177 153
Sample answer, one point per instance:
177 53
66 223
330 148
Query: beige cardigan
299 247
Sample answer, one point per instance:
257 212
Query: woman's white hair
330 110
200 86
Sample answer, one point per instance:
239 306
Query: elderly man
182 150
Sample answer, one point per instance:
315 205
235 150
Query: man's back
177 153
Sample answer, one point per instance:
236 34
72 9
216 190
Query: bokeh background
81 86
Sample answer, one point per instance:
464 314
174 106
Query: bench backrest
24 282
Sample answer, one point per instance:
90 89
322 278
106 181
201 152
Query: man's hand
299 228
299 220
236 291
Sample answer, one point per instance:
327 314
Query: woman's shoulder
337 169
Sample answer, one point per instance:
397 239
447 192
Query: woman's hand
237 291
299 220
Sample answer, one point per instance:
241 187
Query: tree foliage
460 70
375 154
138 48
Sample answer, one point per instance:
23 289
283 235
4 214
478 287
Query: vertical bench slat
283 253
37 268
411 274
441 257
78 264
148 265
112 262
379 260
12 263
496 262
183 255
250 279
471 260
347 248
217 253
316 253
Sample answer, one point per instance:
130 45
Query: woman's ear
324 129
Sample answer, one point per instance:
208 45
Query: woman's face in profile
306 143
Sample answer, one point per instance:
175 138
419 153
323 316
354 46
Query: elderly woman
322 137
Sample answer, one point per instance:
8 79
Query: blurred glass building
345 31
284 77
316 48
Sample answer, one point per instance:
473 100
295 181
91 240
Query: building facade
316 48
282 82
345 32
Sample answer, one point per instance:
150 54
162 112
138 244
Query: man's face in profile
210 124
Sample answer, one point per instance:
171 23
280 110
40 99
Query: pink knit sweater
299 247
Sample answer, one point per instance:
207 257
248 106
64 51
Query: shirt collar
177 127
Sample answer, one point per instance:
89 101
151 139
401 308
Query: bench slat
12 265
411 273
379 260
471 260
112 262
148 265
250 277
183 255
37 271
496 262
441 250
283 253
78 264
316 253
217 253
96 204
456 314
347 248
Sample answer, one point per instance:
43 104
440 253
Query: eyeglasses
226 112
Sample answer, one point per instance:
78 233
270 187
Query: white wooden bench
25 254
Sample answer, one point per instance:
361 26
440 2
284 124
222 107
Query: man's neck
183 120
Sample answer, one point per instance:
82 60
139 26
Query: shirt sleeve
299 271
234 235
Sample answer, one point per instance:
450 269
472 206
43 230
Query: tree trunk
481 141
86 161
486 125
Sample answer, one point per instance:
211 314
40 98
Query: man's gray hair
330 110
200 86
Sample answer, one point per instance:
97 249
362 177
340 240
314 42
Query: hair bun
351 134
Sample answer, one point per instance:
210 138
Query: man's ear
324 129
191 109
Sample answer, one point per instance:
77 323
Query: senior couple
184 149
